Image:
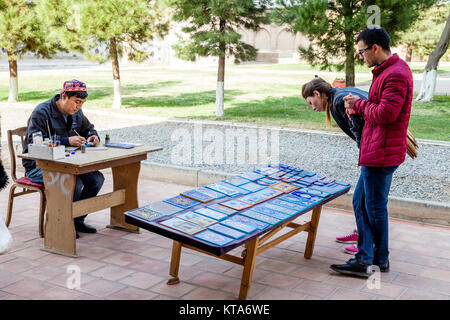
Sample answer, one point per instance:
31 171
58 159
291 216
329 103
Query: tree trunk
117 102
13 81
221 77
409 51
428 86
349 51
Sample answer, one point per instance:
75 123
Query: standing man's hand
94 139
349 102
76 141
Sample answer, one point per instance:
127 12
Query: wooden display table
255 242
59 180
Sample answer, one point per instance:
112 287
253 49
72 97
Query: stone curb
402 208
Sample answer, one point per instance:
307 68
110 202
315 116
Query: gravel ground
335 155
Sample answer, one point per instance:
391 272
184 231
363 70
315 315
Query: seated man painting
61 118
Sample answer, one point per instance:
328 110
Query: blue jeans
87 185
370 204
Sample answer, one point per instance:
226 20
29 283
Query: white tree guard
219 98
13 89
117 102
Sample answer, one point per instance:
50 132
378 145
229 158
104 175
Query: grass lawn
307 67
269 98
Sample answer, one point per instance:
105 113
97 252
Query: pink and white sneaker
350 238
351 249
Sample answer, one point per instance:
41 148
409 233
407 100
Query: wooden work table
60 178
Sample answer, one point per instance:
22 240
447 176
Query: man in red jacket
383 148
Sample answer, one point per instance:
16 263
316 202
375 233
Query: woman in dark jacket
323 97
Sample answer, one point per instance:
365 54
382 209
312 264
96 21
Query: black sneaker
352 267
83 227
384 267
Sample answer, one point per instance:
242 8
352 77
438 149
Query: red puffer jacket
386 114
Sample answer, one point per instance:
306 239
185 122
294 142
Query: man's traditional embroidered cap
73 85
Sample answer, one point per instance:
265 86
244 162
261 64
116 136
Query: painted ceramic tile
283 187
248 221
314 192
211 193
146 214
268 193
223 189
252 176
197 196
238 226
252 198
236 204
182 202
226 231
213 237
266 181
222 209
196 218
236 181
213 214
182 225
286 204
281 209
261 217
163 207
240 190
298 200
252 187
270 212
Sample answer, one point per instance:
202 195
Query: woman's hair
322 87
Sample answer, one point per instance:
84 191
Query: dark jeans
370 204
87 185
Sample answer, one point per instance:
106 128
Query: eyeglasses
361 52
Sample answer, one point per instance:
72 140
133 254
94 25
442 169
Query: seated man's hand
94 140
76 141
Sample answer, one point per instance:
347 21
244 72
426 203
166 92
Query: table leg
125 177
314 224
175 263
59 228
249 264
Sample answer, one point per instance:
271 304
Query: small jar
37 137
107 139
83 148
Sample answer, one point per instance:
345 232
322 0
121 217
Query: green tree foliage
333 25
212 27
22 31
102 29
421 38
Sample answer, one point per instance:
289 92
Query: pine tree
333 25
100 29
22 31
212 28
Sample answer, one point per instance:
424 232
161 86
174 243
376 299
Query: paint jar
83 148
107 139
37 137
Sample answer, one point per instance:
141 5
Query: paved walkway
119 265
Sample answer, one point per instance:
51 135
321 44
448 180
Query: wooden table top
93 158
